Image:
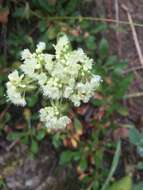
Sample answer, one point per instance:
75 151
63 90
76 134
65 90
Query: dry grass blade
114 165
135 37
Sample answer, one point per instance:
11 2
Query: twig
109 5
4 112
11 145
135 37
133 95
80 18
132 69
4 35
117 11
117 24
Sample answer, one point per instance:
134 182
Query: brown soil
121 42
21 172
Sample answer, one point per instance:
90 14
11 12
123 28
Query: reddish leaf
120 133
82 110
4 16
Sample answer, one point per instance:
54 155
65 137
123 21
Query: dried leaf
108 80
4 16
74 143
82 110
120 133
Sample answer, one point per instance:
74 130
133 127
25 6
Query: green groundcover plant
66 80
40 83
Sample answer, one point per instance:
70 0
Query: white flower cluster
52 119
13 88
65 76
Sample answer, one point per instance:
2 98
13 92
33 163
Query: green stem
114 166
80 18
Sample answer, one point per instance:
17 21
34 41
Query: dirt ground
40 173
122 42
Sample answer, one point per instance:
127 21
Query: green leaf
83 163
46 6
84 24
90 43
7 117
31 101
119 68
56 140
140 166
140 150
123 111
1 91
103 48
98 157
95 185
41 134
22 12
138 186
123 184
77 124
112 60
2 182
42 25
12 136
100 28
120 88
134 136
52 32
34 146
25 139
66 157
71 6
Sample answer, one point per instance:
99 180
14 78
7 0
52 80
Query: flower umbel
15 88
52 119
65 77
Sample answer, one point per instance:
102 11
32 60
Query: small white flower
13 86
95 81
63 121
81 87
29 66
76 56
61 46
26 54
14 77
74 70
87 64
51 91
76 100
67 92
42 78
40 47
58 70
14 96
52 120
48 58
